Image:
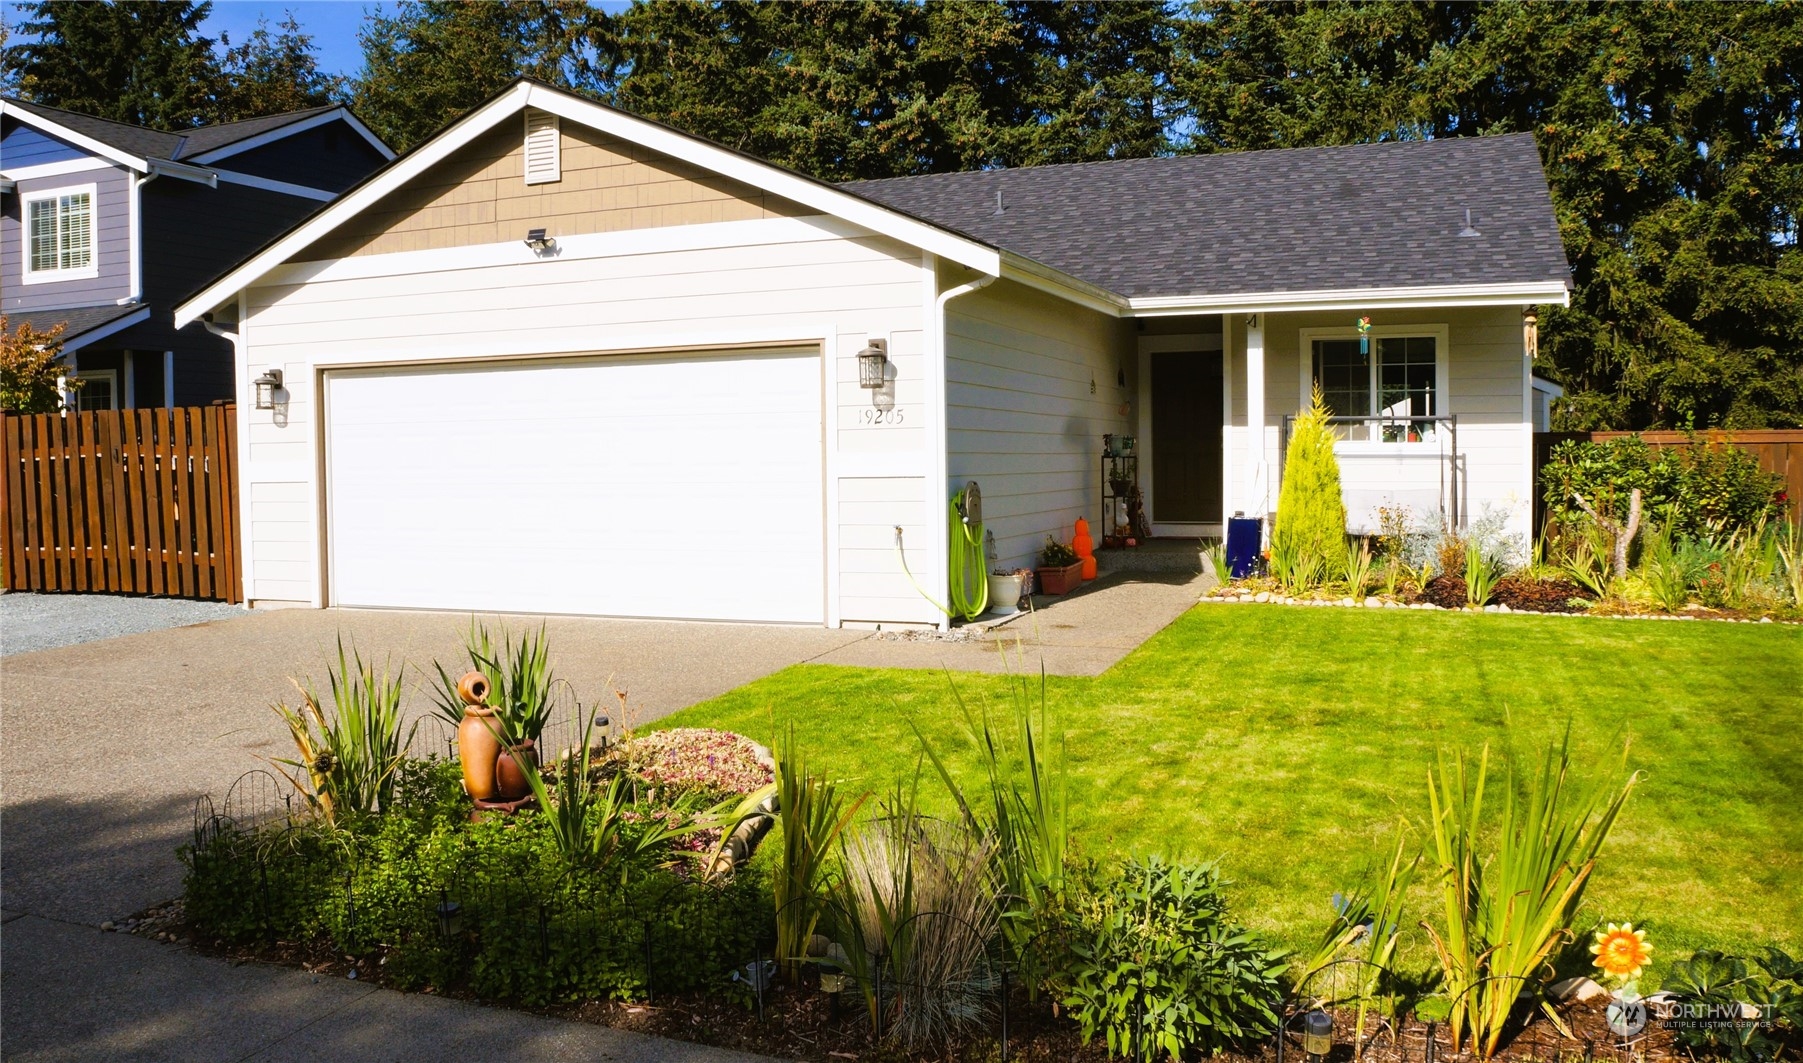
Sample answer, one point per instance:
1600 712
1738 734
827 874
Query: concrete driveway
107 745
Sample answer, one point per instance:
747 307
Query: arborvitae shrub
1311 514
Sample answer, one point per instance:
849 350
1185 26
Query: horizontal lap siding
112 245
1486 381
1021 418
797 291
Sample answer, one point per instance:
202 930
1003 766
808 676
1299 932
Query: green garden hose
970 579
970 596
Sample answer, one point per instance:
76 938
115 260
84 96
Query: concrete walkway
108 744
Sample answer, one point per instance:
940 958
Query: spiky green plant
346 759
813 816
1363 936
519 677
1216 554
1355 566
1025 809
1481 575
1311 512
1505 911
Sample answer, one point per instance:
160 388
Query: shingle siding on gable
332 157
479 196
112 245
21 145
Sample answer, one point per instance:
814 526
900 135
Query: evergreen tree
272 73
433 60
1309 536
128 60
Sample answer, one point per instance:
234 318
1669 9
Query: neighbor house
103 226
563 359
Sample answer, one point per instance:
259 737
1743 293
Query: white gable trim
58 169
100 332
231 177
337 114
85 143
826 199
773 179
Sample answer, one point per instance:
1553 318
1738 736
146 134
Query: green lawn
1289 742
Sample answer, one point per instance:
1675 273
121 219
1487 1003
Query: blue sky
332 23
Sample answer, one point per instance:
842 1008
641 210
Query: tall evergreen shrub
1311 514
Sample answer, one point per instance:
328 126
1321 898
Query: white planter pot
1004 595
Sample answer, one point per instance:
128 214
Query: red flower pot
1060 580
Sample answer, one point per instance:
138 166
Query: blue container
1244 535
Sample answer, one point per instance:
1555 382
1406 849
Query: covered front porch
1433 405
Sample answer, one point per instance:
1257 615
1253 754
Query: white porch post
1257 469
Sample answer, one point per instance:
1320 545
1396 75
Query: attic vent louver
543 161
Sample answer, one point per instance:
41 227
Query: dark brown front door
1186 438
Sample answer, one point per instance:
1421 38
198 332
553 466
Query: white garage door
669 486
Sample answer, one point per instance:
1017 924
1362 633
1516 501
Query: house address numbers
880 417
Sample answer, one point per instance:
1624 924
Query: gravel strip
31 622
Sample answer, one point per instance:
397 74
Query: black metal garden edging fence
288 873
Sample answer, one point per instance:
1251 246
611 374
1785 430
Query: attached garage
686 485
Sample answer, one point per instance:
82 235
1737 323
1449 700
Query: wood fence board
134 501
1779 450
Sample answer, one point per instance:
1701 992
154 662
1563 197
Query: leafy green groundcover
526 927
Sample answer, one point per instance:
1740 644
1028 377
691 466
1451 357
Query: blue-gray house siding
112 243
21 145
332 157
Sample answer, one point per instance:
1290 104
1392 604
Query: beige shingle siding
479 196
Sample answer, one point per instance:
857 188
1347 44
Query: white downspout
137 239
940 487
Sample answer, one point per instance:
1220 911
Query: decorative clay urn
478 737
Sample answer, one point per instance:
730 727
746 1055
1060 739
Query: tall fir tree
271 73
128 60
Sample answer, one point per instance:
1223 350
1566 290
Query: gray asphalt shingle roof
156 144
1303 219
76 320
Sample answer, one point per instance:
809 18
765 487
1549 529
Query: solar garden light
1317 1034
450 918
606 726
873 365
267 385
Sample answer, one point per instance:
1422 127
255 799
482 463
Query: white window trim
111 376
1305 361
52 276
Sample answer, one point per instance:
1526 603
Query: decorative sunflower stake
1622 953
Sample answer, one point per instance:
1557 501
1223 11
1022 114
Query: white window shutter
543 163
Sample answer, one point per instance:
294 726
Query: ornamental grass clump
814 816
1310 533
1508 904
346 758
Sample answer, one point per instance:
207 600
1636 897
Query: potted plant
1060 569
1004 592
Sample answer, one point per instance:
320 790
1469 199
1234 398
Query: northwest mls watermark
1630 1017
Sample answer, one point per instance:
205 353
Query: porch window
59 234
1393 380
99 390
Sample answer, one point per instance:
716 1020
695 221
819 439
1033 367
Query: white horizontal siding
843 290
1485 386
1021 417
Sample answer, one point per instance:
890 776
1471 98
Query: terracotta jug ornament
510 778
478 738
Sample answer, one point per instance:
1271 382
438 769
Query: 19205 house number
877 417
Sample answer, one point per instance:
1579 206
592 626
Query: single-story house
563 359
104 225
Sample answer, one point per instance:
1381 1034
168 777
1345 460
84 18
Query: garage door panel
684 487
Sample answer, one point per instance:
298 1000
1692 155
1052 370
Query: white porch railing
1396 463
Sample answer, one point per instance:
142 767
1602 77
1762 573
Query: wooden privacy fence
126 501
1779 450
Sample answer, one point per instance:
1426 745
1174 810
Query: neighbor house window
1393 381
59 234
99 390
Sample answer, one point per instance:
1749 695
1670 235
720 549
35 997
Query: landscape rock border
1377 602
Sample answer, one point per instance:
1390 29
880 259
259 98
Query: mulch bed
808 1025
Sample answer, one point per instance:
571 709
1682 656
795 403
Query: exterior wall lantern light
267 385
539 242
873 365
